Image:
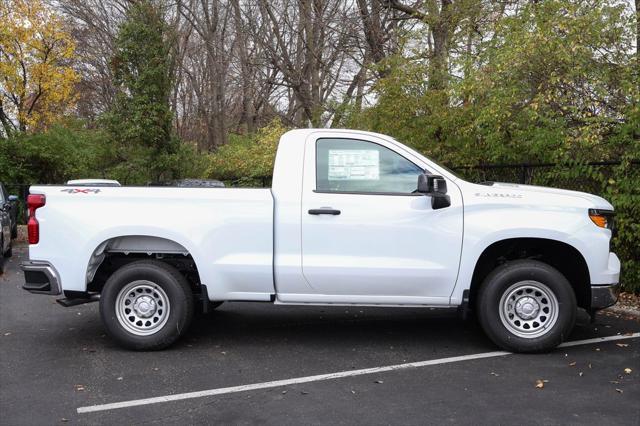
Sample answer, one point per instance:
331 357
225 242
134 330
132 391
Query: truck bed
228 232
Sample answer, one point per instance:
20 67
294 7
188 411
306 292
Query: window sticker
354 164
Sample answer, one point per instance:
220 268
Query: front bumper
603 296
41 278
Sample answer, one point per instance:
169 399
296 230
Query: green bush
61 153
72 151
247 157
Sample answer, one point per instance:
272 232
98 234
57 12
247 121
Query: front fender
484 227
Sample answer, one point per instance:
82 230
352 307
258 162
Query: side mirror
12 198
434 186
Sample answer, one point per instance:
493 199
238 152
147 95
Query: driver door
367 237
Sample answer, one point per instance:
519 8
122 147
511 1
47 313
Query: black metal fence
527 173
524 173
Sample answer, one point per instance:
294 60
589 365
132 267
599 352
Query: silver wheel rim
142 307
529 309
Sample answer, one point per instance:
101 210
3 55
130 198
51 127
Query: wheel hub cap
527 308
144 306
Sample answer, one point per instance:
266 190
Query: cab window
351 165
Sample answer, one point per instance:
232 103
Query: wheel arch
118 250
562 256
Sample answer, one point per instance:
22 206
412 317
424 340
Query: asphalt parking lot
55 360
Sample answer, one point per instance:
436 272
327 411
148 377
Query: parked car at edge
8 223
352 218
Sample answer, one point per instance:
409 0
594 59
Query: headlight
602 218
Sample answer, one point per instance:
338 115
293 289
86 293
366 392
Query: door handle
325 210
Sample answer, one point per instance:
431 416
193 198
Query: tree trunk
638 40
440 32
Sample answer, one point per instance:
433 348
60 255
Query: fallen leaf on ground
581 374
119 378
622 345
571 364
494 374
7 333
379 381
539 384
304 393
619 390
598 349
628 370
284 391
79 388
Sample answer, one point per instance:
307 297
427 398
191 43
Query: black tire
520 278
174 289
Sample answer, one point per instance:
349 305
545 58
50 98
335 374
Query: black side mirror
434 186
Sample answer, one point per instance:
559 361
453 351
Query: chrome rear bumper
40 277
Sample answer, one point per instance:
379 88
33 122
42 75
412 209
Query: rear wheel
146 305
526 306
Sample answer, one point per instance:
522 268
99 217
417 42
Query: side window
351 165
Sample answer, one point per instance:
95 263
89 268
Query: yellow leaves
35 50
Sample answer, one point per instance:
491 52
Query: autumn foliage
37 79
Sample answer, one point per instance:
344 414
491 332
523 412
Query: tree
309 43
36 79
140 118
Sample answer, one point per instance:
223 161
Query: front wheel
526 306
146 305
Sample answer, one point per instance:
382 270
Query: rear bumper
41 277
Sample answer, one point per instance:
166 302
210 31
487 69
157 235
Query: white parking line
330 376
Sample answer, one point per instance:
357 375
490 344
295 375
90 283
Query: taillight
34 202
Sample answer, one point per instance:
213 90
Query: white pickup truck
352 218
